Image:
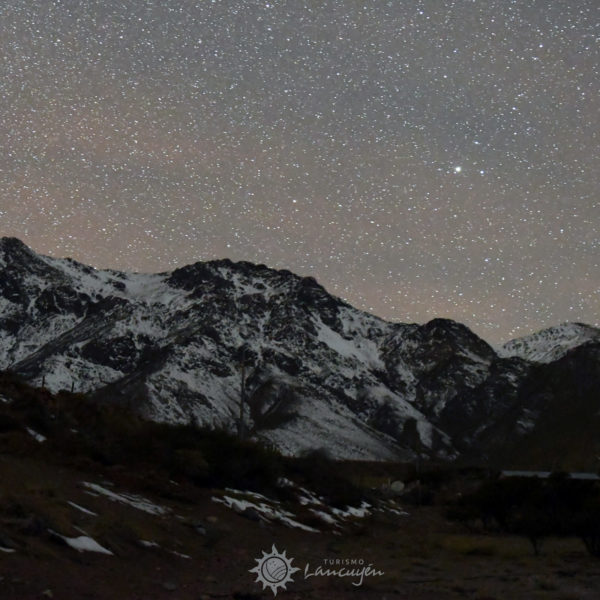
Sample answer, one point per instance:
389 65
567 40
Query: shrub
9 423
586 525
318 471
537 508
190 463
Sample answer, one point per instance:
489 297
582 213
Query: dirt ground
200 549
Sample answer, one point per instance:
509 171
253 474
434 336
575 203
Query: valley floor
171 540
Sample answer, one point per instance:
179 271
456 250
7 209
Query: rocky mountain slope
317 372
551 344
562 425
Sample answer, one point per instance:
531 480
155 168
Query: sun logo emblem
274 570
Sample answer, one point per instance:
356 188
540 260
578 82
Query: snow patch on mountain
550 344
318 373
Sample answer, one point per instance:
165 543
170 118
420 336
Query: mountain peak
13 244
551 343
319 373
16 254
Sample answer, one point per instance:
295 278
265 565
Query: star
333 139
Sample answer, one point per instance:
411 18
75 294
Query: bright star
457 169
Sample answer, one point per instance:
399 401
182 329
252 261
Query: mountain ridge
319 373
551 343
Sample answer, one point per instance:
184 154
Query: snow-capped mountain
317 372
550 344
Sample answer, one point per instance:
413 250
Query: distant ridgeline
211 341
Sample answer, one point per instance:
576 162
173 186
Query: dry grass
469 545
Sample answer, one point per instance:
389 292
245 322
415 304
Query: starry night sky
420 158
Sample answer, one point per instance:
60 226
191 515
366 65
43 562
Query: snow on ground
151 544
358 512
313 427
307 497
86 279
82 509
254 495
364 351
83 543
425 430
325 517
310 499
336 516
132 500
38 437
392 507
61 371
271 510
550 344
146 287
152 288
243 287
266 511
474 357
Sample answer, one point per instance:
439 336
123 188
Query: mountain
318 373
562 424
551 344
